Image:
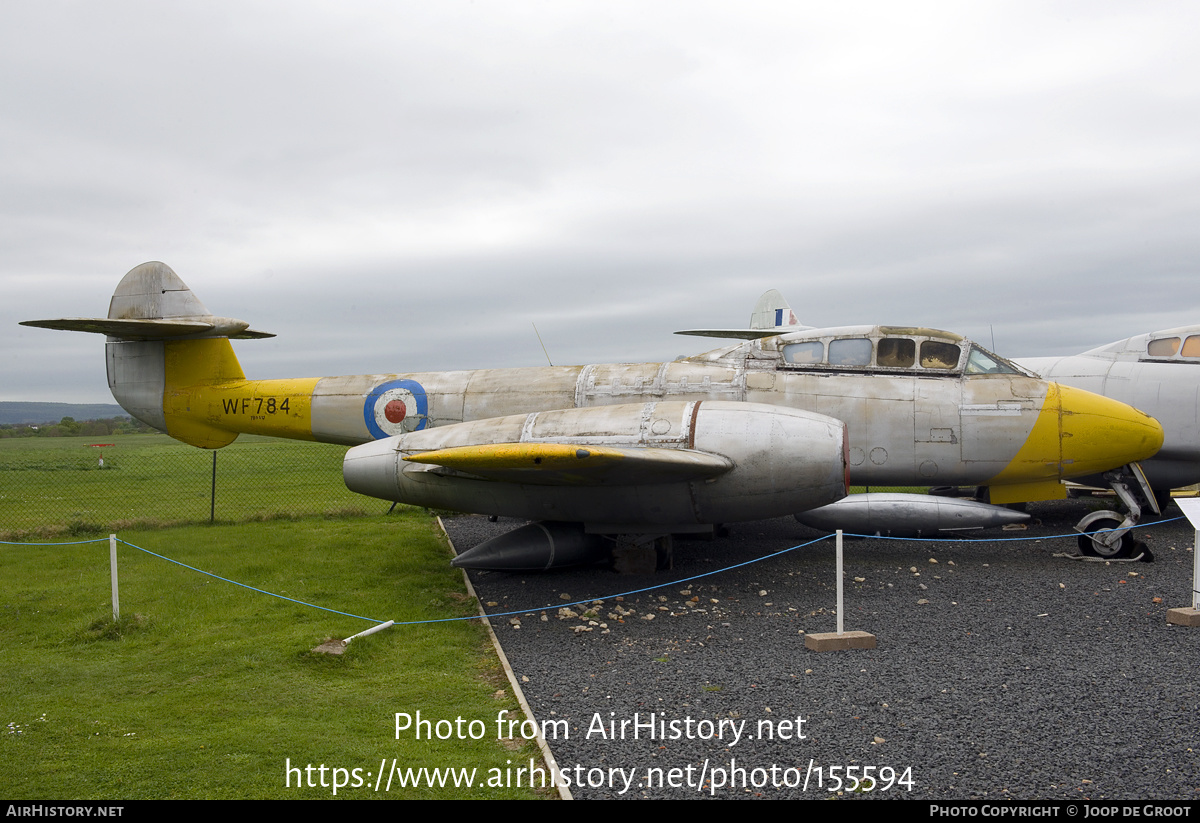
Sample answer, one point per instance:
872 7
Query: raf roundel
396 407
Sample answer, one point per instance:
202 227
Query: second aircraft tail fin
771 316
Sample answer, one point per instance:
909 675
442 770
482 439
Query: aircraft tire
1094 548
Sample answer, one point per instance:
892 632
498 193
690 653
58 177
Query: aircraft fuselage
922 407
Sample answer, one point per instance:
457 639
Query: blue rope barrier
251 588
585 601
71 543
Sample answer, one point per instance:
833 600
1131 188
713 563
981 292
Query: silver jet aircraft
631 453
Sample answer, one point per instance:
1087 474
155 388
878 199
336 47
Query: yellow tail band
208 402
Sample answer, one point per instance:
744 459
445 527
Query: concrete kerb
563 792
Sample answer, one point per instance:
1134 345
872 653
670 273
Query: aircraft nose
1099 433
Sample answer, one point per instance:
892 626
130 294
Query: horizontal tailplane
165 352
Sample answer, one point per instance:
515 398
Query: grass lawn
207 690
54 486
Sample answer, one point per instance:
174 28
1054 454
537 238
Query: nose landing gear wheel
1091 544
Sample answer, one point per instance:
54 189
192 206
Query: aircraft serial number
255 405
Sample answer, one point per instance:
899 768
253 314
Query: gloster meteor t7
631 453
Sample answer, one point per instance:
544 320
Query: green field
205 689
55 486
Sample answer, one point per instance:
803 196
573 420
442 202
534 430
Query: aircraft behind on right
1158 373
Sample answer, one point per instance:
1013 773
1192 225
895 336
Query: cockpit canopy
877 349
1173 347
1178 345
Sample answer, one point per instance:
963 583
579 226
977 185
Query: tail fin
161 338
771 316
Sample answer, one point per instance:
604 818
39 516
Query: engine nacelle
616 468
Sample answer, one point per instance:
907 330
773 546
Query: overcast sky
409 186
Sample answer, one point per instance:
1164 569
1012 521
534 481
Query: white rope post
841 625
112 567
841 639
376 628
1196 570
1190 616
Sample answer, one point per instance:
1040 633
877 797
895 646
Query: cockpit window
981 362
804 354
851 351
1191 346
889 349
1163 347
896 353
938 355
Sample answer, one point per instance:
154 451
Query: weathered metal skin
1011 431
751 461
921 406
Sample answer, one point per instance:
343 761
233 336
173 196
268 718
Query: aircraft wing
669 465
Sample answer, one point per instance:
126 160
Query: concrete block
1184 616
832 641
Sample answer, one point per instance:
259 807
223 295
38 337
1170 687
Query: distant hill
36 414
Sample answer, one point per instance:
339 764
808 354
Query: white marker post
841 623
387 624
841 639
1190 616
112 569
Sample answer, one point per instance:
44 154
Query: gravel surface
1001 672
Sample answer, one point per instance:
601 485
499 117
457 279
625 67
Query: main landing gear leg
643 553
